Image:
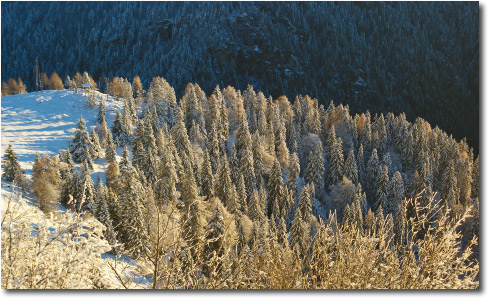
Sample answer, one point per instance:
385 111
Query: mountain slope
44 122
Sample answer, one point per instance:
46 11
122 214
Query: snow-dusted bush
60 252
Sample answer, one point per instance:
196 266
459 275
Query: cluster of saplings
236 190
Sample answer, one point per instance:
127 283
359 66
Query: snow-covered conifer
207 177
120 135
315 168
81 144
396 193
276 193
96 149
10 164
304 206
335 164
350 167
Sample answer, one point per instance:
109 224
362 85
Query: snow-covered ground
45 122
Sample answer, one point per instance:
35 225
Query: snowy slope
45 122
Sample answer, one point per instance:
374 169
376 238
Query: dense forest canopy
417 58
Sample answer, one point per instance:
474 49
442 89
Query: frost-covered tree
96 149
299 233
207 177
214 240
450 190
257 150
396 191
315 168
180 135
110 152
255 211
304 206
81 145
213 146
372 173
168 195
70 178
276 193
234 164
46 180
350 168
476 178
119 133
294 172
360 164
10 165
382 188
223 183
335 164
161 96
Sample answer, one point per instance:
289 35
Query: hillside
233 190
419 58
44 122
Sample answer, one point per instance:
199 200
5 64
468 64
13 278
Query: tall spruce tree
276 193
10 165
315 168
81 144
350 168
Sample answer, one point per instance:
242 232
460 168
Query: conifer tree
276 193
168 195
207 177
112 174
350 168
70 178
96 149
331 140
399 228
213 146
465 180
257 156
255 211
360 164
396 193
101 111
102 213
233 203
293 137
161 97
85 190
10 164
336 163
373 170
110 152
292 179
315 168
214 242
407 151
382 188
180 135
81 144
298 233
450 191
247 169
224 183
241 192
476 178
120 135
304 206
132 196
234 164
138 90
